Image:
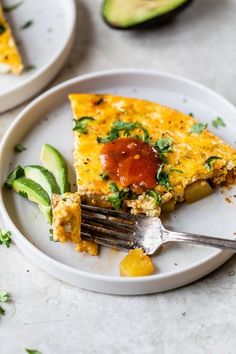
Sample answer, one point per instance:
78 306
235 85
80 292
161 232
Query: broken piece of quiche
132 153
67 222
10 58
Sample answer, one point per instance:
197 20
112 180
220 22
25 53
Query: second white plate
45 45
49 120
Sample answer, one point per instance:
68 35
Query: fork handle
200 240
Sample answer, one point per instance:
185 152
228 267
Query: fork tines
109 227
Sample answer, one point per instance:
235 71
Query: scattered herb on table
81 125
2 29
198 128
32 351
4 297
125 127
19 148
27 24
218 122
12 7
5 239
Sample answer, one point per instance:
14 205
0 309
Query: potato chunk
196 191
136 264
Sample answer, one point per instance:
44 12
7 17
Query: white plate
45 44
48 119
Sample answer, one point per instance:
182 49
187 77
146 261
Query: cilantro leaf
16 173
218 122
32 351
163 144
155 195
19 148
125 127
5 239
2 311
163 178
2 29
81 124
118 196
198 128
4 297
191 114
210 161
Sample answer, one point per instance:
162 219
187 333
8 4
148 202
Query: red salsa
131 162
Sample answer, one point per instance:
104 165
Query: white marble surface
57 318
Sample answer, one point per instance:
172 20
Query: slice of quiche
10 58
132 153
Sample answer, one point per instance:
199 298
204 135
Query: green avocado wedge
43 177
130 14
35 193
56 164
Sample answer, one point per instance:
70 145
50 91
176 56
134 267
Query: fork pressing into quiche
120 230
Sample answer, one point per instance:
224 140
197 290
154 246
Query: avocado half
130 14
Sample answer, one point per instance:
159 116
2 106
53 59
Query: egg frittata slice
142 155
66 213
10 58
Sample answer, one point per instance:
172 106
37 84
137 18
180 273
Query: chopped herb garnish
27 24
118 196
29 67
155 195
163 144
19 148
125 127
4 297
218 122
32 351
191 114
16 173
104 176
163 178
82 124
210 161
5 239
2 29
12 7
198 128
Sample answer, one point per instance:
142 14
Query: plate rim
60 55
19 238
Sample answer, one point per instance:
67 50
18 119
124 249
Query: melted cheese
185 163
10 59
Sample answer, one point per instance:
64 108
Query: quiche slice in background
10 58
142 155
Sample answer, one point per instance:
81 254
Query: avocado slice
43 177
140 13
16 173
35 193
56 164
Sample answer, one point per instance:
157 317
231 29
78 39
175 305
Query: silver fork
125 231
